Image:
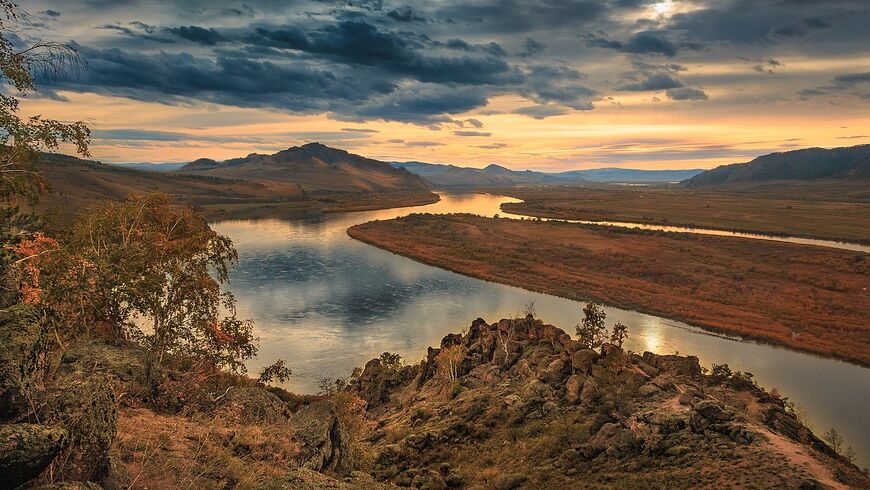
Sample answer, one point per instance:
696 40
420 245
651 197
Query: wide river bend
326 303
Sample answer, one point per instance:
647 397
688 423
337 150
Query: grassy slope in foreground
834 211
803 297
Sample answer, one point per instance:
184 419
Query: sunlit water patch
326 303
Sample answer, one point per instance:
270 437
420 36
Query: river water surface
326 303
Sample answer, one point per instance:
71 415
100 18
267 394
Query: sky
546 85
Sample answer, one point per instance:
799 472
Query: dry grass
838 212
162 451
804 297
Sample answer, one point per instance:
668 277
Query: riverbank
333 203
839 213
802 297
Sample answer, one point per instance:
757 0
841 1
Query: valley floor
833 211
802 297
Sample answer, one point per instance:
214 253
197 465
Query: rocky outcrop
324 444
26 450
528 400
377 380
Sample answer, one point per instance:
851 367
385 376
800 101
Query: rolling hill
811 164
316 168
75 183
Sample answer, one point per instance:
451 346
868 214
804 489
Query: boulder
574 387
679 365
713 411
582 361
324 444
26 450
253 405
376 380
589 394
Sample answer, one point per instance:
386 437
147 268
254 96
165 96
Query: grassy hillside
316 168
848 163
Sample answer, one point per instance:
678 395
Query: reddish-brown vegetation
832 211
804 297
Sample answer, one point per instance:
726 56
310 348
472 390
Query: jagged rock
680 365
375 382
582 361
712 411
785 423
555 371
589 393
324 443
26 450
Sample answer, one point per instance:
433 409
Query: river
326 303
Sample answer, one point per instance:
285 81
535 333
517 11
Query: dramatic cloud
541 111
452 65
686 93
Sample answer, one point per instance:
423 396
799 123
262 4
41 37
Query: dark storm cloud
646 42
541 111
405 15
852 78
173 78
803 28
50 13
208 37
399 52
652 82
686 93
427 62
532 47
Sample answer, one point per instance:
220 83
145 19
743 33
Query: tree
391 361
21 139
619 334
448 360
591 332
276 371
145 270
834 439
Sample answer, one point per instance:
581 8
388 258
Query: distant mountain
847 163
444 175
316 168
613 174
529 177
151 167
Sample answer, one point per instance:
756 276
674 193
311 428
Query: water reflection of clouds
326 304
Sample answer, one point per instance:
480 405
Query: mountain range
446 175
811 164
